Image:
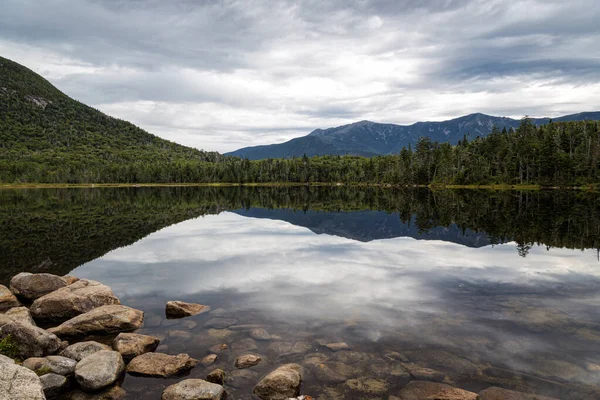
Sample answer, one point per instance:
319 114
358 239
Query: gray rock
20 314
280 384
81 350
417 390
217 376
75 299
19 383
32 286
52 364
220 323
247 361
131 345
103 320
7 299
194 389
180 309
159 364
30 341
99 370
54 385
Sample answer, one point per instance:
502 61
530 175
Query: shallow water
412 280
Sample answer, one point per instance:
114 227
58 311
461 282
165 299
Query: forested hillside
45 136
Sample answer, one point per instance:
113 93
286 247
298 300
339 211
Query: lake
471 288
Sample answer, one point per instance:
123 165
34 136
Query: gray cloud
226 74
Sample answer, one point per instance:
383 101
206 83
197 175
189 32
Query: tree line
555 154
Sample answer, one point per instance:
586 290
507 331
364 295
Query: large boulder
131 345
496 393
180 309
99 370
194 389
20 314
18 382
81 350
280 384
75 299
29 340
160 364
32 286
103 320
418 390
54 385
7 299
52 364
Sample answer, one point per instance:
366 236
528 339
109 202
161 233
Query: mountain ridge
368 138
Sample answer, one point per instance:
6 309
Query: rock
247 361
417 390
103 320
194 389
241 378
131 345
75 299
29 340
81 350
496 393
220 333
178 334
19 383
180 309
367 385
217 376
112 393
209 360
280 384
7 299
31 286
425 374
325 373
244 345
457 366
188 324
349 357
20 314
220 323
280 349
259 334
337 346
218 348
159 364
54 385
52 364
99 370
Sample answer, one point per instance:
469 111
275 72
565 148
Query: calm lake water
484 288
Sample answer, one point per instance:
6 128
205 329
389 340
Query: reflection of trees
59 229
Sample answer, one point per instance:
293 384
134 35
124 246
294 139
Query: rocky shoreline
89 342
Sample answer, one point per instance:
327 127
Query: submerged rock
417 390
180 309
496 393
241 378
52 364
18 382
244 345
259 334
101 321
159 364
247 361
54 385
29 340
194 389
217 376
20 314
220 323
81 350
280 384
337 346
75 299
366 385
99 370
112 393
131 345
32 286
209 360
7 299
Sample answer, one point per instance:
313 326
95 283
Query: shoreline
5 186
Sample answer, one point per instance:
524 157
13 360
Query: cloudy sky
220 75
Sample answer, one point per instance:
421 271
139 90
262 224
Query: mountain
44 132
366 138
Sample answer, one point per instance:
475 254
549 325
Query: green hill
46 136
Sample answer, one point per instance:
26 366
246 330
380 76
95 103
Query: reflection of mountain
366 226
